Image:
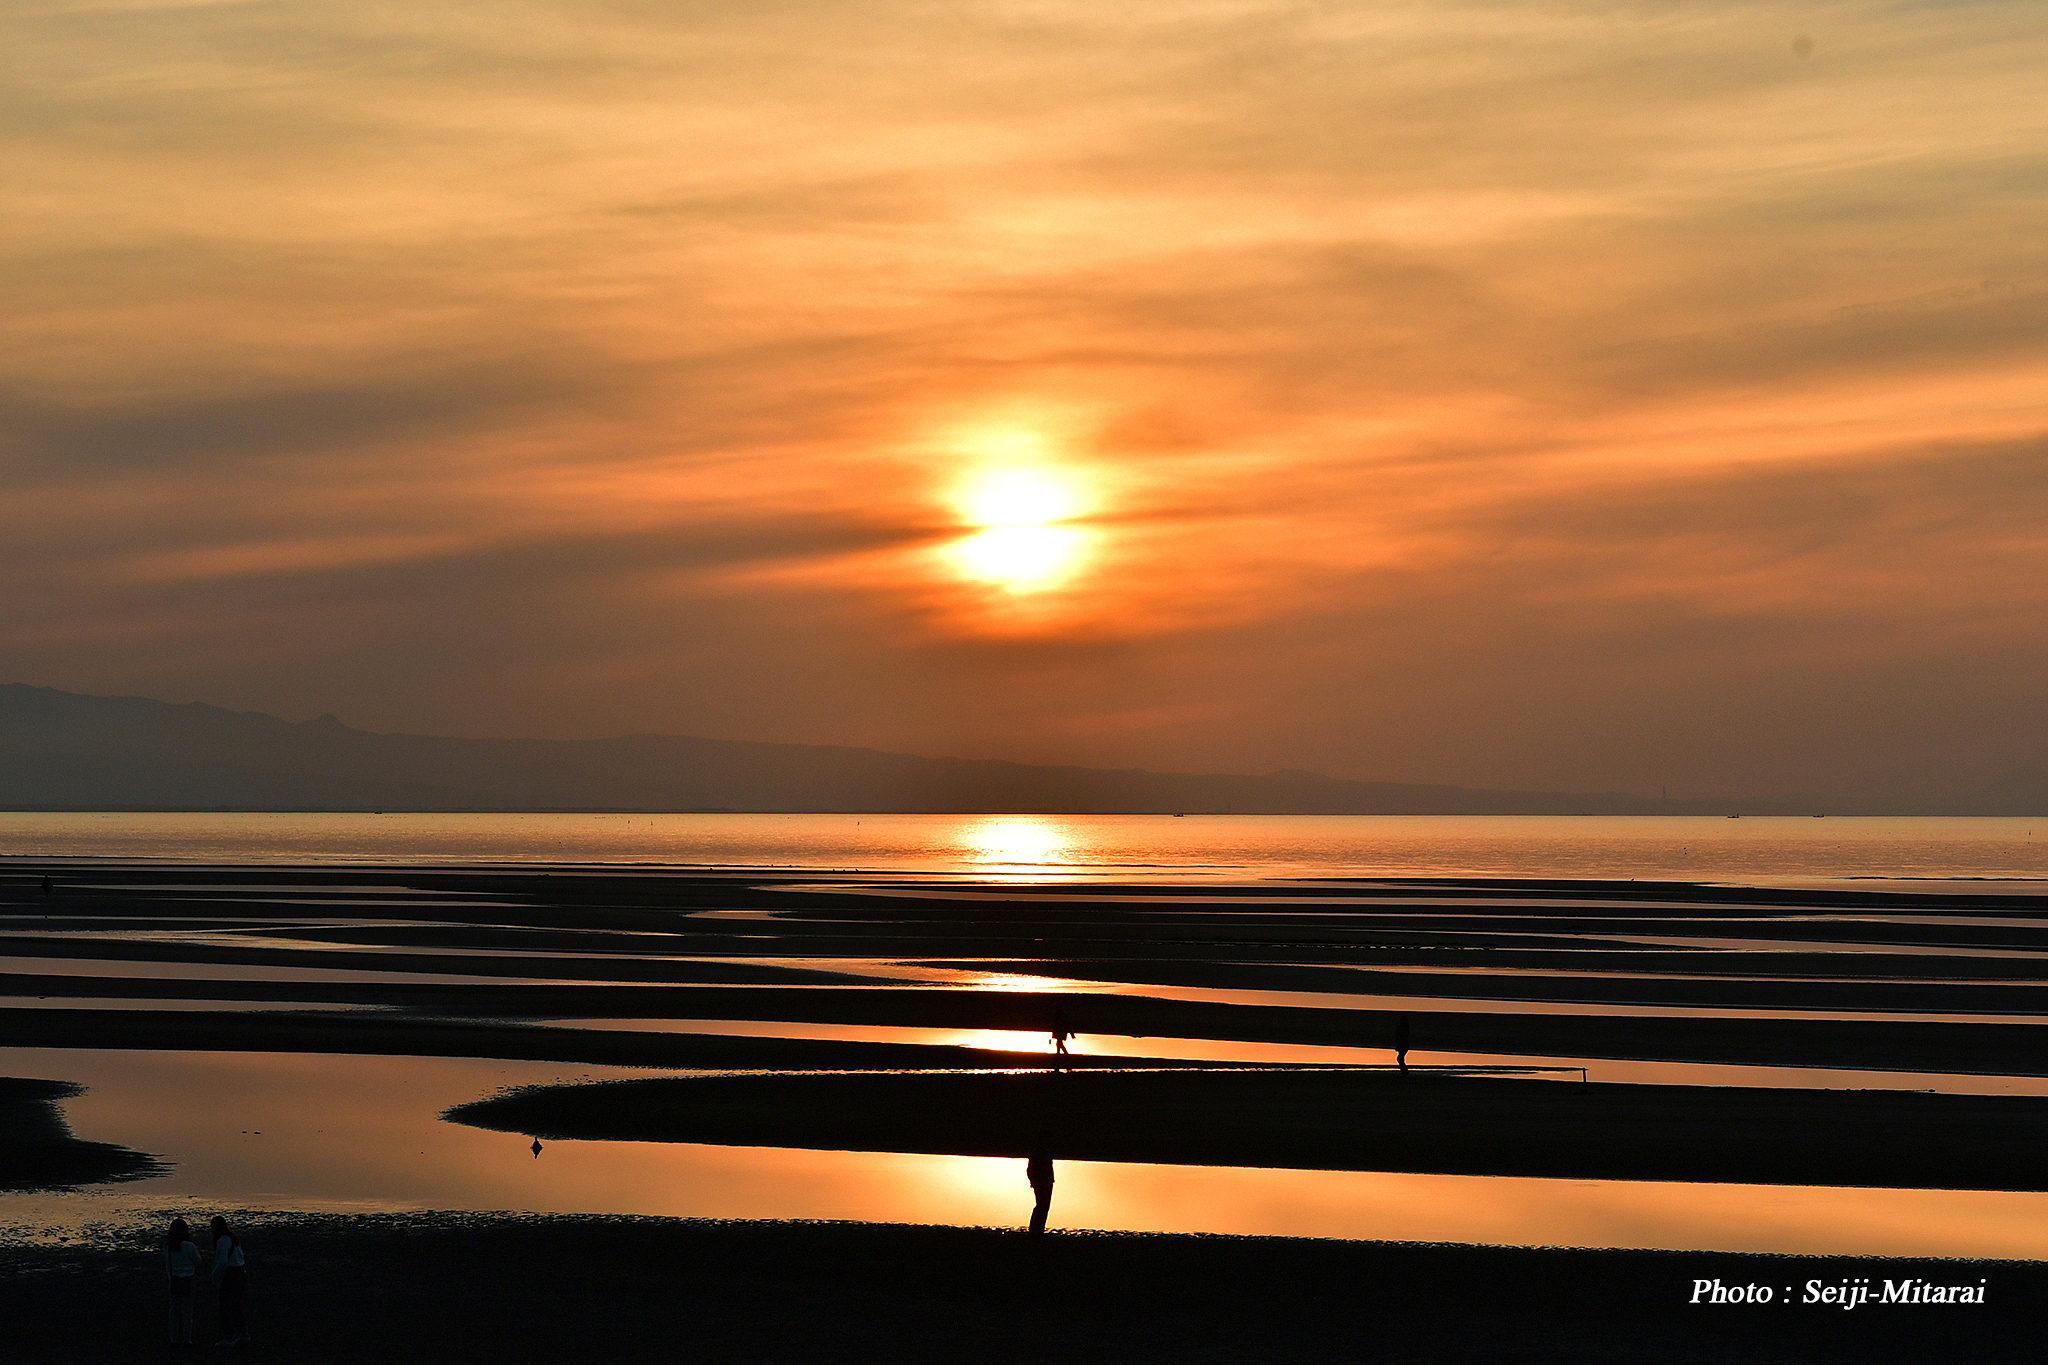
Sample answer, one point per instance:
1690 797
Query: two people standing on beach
230 1279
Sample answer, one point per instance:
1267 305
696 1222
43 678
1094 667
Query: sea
1759 850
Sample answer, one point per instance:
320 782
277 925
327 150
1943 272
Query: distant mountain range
64 751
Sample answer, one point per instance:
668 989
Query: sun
1019 497
1026 542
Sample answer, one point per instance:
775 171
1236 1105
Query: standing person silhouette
1401 1043
1060 1034
1038 1170
182 1257
230 1279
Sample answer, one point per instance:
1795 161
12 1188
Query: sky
1560 395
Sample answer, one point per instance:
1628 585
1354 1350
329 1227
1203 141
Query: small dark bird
536 1149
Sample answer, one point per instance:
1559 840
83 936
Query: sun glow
1014 842
1025 544
1019 497
1020 558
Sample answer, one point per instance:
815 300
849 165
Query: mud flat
38 1152
486 1018
1330 1120
487 1288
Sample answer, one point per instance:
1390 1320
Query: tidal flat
902 1014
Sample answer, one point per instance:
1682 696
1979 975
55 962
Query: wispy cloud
1550 393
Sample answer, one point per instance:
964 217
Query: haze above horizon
1519 396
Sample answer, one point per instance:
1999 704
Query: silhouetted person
1038 1170
230 1279
182 1256
1060 1034
536 1149
1401 1043
47 888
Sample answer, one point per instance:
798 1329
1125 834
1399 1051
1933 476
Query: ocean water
1749 850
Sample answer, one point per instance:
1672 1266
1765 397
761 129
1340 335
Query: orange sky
1541 395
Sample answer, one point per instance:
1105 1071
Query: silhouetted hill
64 751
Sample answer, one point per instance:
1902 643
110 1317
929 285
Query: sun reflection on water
1013 842
1002 981
995 1040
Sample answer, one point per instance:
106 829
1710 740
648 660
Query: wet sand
38 1151
1330 1120
498 1289
2019 1049
469 961
526 948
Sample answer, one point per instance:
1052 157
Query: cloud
1449 376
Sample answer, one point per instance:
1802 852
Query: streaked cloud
1527 394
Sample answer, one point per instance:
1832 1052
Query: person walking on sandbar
1401 1043
1061 1032
1038 1170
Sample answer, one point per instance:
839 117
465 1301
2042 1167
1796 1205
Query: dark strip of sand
38 1152
1896 996
580 968
1532 951
1289 966
498 1289
1968 1049
398 1035
1331 1120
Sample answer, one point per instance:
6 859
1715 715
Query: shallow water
290 1131
918 975
1035 1049
1040 847
361 1133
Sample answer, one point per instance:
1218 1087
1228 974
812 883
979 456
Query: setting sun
1019 497
1025 544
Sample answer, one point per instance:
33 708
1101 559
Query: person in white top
183 1259
230 1278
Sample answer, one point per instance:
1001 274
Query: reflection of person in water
1401 1042
1038 1170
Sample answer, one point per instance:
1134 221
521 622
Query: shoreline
469 1287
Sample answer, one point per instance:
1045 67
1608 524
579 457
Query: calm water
1751 849
284 1131
254 1130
